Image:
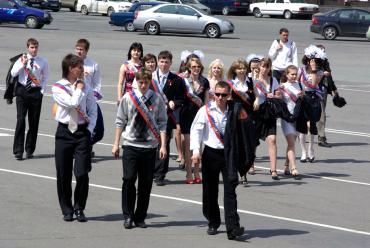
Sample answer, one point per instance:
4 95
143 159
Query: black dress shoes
80 216
212 231
18 156
236 232
324 144
128 223
141 224
29 155
68 217
159 182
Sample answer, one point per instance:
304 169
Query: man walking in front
33 72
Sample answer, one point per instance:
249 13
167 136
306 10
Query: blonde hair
215 63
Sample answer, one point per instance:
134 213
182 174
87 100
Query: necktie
163 81
29 80
72 125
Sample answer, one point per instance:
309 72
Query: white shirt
293 89
261 96
161 75
40 70
201 130
72 99
92 76
241 86
283 57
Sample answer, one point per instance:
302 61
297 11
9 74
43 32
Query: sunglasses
221 94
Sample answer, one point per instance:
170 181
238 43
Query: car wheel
110 11
84 10
129 27
330 33
152 28
31 22
213 31
225 10
287 14
74 8
257 12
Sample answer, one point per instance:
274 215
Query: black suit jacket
174 89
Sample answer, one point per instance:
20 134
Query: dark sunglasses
221 94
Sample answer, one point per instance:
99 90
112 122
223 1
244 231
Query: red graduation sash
290 94
212 122
79 111
243 96
191 96
144 112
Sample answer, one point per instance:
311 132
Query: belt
84 125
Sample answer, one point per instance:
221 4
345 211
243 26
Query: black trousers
138 163
277 74
28 102
213 163
98 133
68 147
161 165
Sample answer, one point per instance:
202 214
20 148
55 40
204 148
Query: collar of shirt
214 107
147 94
161 74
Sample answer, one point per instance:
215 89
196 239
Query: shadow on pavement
268 233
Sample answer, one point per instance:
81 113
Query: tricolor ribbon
170 114
191 96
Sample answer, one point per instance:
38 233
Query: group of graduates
218 121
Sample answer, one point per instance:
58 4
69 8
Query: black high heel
276 177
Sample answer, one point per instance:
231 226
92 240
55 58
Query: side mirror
198 15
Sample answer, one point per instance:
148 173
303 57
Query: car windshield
19 2
190 1
297 1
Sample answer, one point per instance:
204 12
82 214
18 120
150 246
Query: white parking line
264 168
199 203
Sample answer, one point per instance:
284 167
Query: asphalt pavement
328 207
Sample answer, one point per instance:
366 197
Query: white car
286 8
105 7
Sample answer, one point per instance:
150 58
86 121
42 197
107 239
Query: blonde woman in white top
216 73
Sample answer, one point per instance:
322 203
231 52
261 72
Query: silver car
179 18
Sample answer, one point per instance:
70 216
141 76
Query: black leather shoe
212 231
29 155
159 182
324 144
18 156
311 160
141 224
80 216
68 217
239 231
128 223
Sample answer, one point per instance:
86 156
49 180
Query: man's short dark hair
283 30
83 43
165 55
224 85
32 41
70 60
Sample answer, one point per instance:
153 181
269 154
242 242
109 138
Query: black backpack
11 82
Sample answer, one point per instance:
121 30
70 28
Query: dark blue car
227 6
53 5
15 11
126 19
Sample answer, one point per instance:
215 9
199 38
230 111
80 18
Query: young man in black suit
172 90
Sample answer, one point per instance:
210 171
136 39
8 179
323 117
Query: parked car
193 3
286 8
105 7
368 33
227 6
341 22
126 19
15 11
53 5
71 4
180 18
